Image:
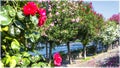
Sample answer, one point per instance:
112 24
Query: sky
106 7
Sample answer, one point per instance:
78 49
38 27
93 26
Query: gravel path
96 60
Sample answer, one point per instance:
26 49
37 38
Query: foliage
110 32
59 27
90 25
20 34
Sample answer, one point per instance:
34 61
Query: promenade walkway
97 60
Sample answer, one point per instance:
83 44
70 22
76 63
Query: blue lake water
63 48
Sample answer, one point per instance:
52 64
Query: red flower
116 18
30 8
57 59
90 5
42 20
94 13
42 12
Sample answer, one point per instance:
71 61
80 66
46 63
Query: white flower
52 24
64 4
49 9
73 20
77 19
57 13
63 10
43 0
58 7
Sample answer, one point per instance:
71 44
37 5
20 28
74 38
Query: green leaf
15 45
34 20
11 30
5 28
4 16
13 62
5 19
34 58
20 15
37 57
36 35
25 54
26 62
3 47
4 10
11 11
17 31
1 64
8 58
42 64
8 38
19 24
18 58
35 65
8 10
32 38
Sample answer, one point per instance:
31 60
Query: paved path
96 60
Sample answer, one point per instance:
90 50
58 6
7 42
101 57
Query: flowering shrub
31 9
90 25
57 59
116 18
20 33
109 33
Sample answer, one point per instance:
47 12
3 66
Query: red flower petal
42 12
30 9
42 20
57 59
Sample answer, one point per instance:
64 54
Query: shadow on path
111 62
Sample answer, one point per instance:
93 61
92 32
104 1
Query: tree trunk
84 52
50 51
119 41
46 51
110 47
96 44
106 48
102 47
96 48
113 44
68 47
